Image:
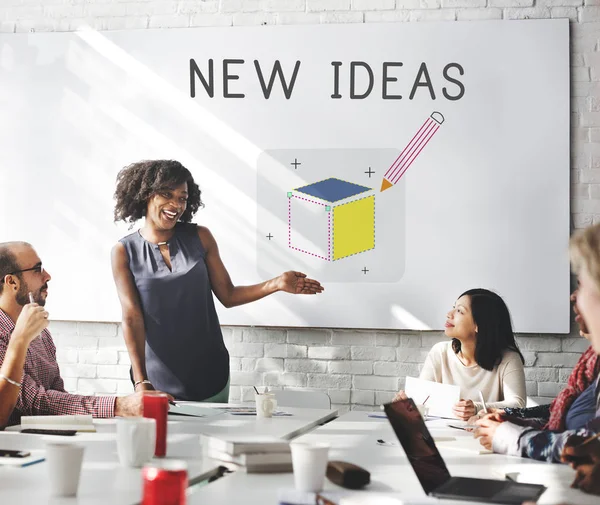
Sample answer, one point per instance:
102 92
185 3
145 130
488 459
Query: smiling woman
166 274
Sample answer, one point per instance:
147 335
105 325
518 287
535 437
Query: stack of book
252 455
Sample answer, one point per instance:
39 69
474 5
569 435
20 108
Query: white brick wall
357 377
357 369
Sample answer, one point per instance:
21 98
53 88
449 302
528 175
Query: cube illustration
331 219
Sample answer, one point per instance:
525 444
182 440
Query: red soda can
165 483
156 406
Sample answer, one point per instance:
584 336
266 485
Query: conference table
353 437
103 481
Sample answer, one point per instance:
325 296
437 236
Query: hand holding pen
579 450
32 320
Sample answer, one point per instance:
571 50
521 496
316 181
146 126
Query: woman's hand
486 429
400 395
464 409
482 413
298 284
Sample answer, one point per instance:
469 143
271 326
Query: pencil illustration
412 150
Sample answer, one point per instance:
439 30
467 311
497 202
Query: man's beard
23 295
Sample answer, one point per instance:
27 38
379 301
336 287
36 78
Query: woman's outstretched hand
298 284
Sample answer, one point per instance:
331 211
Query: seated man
38 383
32 320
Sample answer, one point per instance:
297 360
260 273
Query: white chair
302 399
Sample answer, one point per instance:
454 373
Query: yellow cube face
353 227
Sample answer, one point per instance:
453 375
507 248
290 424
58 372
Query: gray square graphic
293 227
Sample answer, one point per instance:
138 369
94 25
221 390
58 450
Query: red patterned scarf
585 373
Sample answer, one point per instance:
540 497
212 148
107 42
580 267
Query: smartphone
8 453
64 433
464 428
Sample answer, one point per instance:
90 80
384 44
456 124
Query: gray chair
302 399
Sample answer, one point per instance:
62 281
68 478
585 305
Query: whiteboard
475 152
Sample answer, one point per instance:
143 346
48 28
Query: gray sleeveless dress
185 353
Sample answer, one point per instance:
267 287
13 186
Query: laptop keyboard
473 487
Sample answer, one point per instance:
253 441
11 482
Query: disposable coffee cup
136 440
64 468
310 463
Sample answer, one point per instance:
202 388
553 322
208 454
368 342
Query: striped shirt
43 390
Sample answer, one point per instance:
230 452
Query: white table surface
285 427
104 481
353 437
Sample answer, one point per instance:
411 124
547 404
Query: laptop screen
418 444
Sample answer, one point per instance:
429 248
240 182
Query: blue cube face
333 190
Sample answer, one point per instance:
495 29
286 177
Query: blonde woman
563 446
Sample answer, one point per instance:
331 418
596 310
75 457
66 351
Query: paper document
464 444
250 411
442 397
193 410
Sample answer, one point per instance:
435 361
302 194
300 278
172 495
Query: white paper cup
64 467
310 463
265 404
136 439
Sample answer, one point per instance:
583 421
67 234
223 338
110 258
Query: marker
483 402
31 300
412 150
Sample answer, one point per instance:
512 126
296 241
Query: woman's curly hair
137 182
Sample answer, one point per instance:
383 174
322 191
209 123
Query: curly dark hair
137 182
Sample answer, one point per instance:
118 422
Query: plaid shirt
43 390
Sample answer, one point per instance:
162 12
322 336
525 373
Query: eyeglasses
36 268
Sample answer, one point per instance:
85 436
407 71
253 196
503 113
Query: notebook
82 423
235 445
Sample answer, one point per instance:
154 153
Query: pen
483 402
31 300
173 403
587 441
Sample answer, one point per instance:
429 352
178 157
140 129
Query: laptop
432 472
